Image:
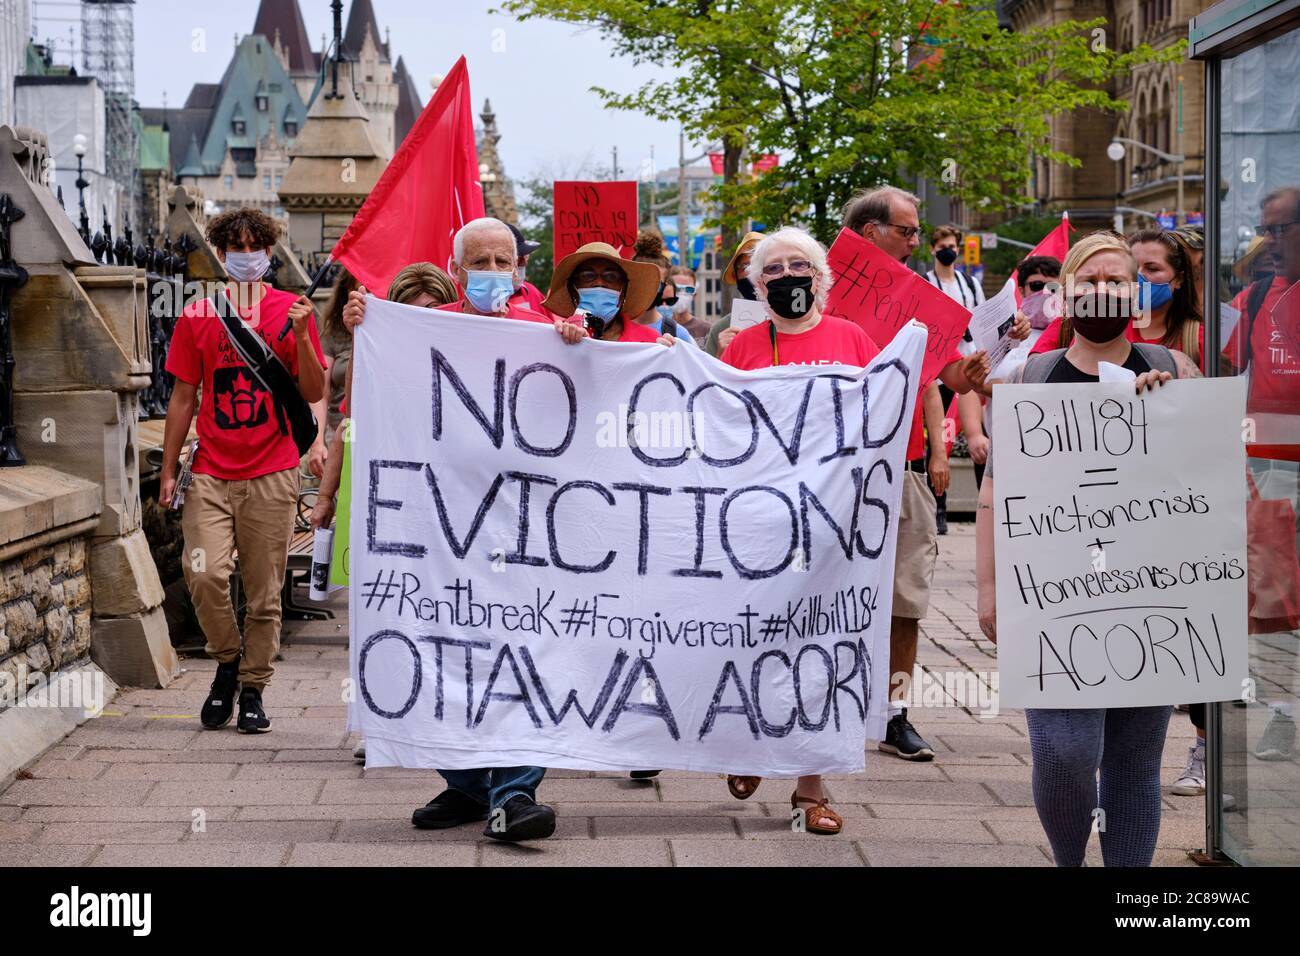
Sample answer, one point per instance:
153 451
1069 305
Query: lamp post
1116 152
79 148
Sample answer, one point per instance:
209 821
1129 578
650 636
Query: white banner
618 556
1120 543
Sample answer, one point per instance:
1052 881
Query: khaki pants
918 548
255 516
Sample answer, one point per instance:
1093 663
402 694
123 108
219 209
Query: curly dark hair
230 227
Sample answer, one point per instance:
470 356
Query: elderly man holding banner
484 254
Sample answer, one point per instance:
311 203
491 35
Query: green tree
854 93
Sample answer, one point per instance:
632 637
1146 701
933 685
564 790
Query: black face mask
746 289
947 255
1100 317
791 297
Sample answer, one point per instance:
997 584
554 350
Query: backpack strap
1254 302
1158 357
669 326
1038 368
970 284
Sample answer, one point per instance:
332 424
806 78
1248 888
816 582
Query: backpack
1254 302
1038 368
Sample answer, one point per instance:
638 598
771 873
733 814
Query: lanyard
771 328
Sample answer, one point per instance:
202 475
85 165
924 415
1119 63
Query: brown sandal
818 818
742 788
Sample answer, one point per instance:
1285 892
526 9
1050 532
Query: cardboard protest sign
882 295
614 555
594 212
1120 543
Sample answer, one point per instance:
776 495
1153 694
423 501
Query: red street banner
595 212
718 162
429 190
882 295
766 162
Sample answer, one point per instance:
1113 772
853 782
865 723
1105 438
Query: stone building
498 192
1159 96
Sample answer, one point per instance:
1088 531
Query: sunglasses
609 276
686 290
797 267
1037 285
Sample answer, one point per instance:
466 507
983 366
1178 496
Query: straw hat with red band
746 245
642 280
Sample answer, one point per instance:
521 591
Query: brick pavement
131 787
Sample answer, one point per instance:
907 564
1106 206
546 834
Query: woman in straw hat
608 290
721 334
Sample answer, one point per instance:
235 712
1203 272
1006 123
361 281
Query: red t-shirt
1273 354
239 430
832 341
1051 337
634 331
916 438
529 296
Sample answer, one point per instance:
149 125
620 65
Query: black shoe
644 774
902 740
941 523
520 819
252 719
449 809
220 705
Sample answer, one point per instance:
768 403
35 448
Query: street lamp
79 148
1116 152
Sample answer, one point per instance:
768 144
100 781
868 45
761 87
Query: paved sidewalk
144 785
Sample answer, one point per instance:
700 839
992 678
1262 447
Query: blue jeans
494 786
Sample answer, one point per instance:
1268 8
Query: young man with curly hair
244 492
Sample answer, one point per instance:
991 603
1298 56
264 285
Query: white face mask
520 272
247 266
683 303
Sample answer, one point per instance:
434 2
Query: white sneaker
1278 740
1192 781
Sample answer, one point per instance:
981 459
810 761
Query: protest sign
1119 530
747 312
614 555
339 558
594 212
991 322
881 295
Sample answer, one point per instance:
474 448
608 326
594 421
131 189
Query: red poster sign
595 212
881 294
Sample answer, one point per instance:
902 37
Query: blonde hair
1081 252
422 277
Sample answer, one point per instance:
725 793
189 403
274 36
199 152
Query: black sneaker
520 819
941 522
644 774
902 740
252 719
449 809
220 705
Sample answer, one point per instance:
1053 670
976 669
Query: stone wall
45 609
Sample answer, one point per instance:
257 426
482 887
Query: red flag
1055 244
429 190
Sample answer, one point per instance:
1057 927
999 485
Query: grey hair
475 225
806 244
875 205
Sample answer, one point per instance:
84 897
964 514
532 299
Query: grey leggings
1125 744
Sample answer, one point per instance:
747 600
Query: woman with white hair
791 277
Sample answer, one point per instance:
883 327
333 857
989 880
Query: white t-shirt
959 290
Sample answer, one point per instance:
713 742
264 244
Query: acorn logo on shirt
239 402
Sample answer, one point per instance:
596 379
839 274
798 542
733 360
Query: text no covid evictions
1120 544
710 602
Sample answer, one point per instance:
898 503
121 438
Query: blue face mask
665 311
488 291
1152 295
600 302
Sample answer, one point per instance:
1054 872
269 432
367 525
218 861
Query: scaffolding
108 51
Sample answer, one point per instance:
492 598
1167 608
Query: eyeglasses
1037 285
609 276
1276 229
907 232
795 267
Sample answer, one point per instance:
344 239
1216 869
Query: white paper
471 630
1228 318
1120 544
1110 372
991 322
747 312
322 548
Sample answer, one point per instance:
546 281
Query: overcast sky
549 120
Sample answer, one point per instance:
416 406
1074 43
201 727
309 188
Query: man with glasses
890 218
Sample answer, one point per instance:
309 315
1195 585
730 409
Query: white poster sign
617 556
1120 543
